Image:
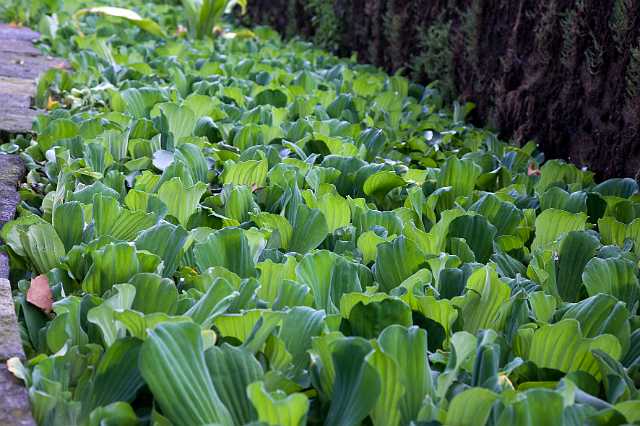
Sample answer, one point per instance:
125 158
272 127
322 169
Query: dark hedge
565 73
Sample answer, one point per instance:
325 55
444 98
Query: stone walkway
14 403
20 65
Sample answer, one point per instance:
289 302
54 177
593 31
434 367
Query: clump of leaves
249 231
203 15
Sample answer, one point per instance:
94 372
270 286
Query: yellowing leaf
127 14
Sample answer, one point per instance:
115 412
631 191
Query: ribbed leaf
154 294
42 246
232 370
278 409
229 248
309 229
250 173
553 223
471 407
561 346
396 260
165 240
486 296
615 276
477 232
182 201
357 385
68 221
576 249
173 365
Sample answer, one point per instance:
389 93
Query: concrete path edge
15 409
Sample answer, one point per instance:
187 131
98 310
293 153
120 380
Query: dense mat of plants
235 230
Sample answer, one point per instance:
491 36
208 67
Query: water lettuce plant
246 231
203 15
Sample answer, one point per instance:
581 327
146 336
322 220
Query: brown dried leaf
533 170
39 293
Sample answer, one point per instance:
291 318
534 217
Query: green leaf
379 184
68 221
630 409
192 156
441 311
309 229
232 370
249 173
396 260
534 406
241 326
478 234
66 327
559 172
277 408
42 246
137 324
275 222
407 348
576 249
272 97
203 15
463 347
460 175
154 294
365 219
323 370
551 224
228 247
299 326
213 303
11 231
602 314
110 219
617 383
357 385
117 377
485 297
166 241
562 346
272 276
370 315
470 407
239 203
103 315
614 276
368 245
614 232
334 208
112 264
503 215
329 276
386 410
172 363
139 102
374 141
618 187
181 200
126 14
117 413
180 121
543 305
